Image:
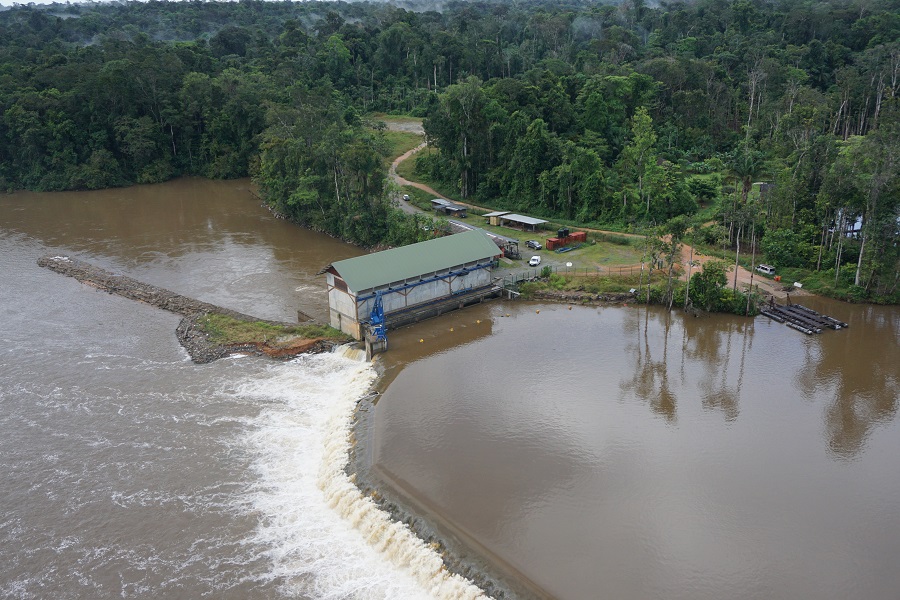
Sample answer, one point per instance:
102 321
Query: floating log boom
801 318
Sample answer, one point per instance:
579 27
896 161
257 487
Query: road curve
744 276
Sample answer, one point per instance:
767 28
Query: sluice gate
428 310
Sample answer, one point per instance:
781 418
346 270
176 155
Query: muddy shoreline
583 298
189 334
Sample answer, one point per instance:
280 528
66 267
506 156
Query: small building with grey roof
414 282
522 222
493 218
445 207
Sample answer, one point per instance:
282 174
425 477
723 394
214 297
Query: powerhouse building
414 282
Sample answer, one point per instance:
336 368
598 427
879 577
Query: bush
528 288
705 188
712 234
619 240
707 285
785 248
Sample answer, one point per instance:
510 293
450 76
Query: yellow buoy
538 311
478 321
451 329
570 308
421 340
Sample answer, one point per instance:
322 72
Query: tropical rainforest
766 122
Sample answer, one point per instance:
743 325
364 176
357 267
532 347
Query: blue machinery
376 320
377 323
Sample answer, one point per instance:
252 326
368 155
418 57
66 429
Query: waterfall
327 540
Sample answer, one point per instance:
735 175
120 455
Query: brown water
129 472
596 452
624 453
204 239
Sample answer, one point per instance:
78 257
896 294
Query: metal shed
520 221
493 218
446 207
414 282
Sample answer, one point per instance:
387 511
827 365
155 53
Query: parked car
533 244
406 197
535 261
766 269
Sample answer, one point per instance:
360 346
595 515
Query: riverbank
582 297
206 331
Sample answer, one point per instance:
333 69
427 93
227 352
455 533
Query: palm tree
746 164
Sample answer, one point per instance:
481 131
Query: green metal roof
382 268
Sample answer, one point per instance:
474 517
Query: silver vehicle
533 244
535 261
766 269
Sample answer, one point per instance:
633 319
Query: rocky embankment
189 334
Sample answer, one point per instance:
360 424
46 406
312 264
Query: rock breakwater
190 335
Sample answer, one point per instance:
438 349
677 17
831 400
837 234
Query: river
611 452
627 453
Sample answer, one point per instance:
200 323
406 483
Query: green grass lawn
400 142
601 250
395 118
591 285
226 330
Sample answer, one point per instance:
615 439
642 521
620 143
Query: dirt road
392 173
410 127
744 276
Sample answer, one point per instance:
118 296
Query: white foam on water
326 539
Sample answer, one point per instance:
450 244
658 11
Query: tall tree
637 164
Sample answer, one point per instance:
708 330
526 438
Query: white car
535 261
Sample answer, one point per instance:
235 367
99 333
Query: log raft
802 318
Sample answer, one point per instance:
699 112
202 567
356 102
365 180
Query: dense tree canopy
617 114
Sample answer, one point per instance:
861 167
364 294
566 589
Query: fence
629 271
512 279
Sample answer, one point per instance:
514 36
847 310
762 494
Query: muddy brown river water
626 453
590 453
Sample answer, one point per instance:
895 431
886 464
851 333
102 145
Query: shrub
785 248
712 234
